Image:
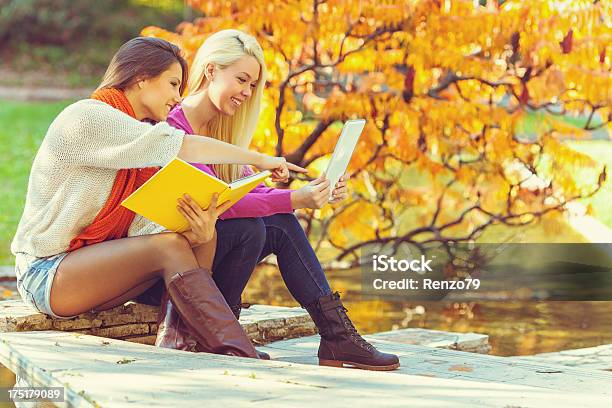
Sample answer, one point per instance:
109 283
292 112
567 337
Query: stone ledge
138 322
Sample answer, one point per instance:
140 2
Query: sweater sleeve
93 133
142 226
262 201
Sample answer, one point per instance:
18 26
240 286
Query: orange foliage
447 88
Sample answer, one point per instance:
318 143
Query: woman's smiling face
159 94
232 86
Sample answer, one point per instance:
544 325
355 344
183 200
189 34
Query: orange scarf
113 220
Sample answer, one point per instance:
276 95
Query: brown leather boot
171 330
236 309
341 343
206 314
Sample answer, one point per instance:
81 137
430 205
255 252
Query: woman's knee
287 222
172 247
285 231
252 232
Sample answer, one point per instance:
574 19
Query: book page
241 187
238 183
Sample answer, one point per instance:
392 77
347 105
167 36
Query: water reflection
514 327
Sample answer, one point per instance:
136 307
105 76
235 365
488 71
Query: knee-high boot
205 314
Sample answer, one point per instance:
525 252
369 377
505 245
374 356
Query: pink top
262 201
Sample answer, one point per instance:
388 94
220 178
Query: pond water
522 327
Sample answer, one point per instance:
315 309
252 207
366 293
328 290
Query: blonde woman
77 249
225 88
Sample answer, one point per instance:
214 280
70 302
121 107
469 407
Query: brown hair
142 58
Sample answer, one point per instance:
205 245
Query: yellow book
157 198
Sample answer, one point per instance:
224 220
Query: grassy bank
23 127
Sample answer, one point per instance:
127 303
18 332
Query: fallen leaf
459 367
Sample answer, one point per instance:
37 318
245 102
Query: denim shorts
34 279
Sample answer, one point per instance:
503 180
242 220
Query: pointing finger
296 168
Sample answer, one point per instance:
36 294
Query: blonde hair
223 49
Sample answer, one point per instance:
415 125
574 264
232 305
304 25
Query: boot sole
351 364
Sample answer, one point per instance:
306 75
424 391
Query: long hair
223 49
142 58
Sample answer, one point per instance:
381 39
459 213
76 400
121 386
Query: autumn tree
466 103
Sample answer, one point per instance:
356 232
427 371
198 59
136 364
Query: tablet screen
344 151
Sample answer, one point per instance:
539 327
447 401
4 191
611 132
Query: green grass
535 122
23 126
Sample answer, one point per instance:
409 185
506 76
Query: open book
157 198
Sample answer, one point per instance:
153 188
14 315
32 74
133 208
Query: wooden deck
451 364
438 369
99 372
596 358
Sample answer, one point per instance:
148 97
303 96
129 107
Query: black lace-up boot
341 344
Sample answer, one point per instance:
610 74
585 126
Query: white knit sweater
75 168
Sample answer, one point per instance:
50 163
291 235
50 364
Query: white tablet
343 151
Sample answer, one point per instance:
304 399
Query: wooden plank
111 373
473 342
594 358
442 363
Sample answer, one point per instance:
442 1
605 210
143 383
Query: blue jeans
243 242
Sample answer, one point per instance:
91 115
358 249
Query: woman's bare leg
127 296
96 274
204 254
